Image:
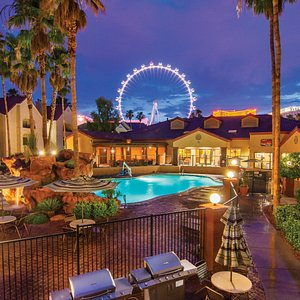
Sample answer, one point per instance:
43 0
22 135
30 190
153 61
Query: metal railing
234 196
31 268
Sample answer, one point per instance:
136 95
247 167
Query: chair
202 271
18 225
68 219
211 294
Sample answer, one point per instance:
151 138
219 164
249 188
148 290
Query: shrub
36 218
288 220
100 210
49 204
112 207
96 209
87 210
69 164
4 213
297 195
290 165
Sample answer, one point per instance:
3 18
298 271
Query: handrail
234 192
128 168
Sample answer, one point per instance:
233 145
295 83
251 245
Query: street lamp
215 198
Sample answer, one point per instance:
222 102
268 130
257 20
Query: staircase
202 194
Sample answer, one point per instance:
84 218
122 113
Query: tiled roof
163 131
11 102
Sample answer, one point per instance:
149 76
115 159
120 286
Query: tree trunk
64 121
6 116
30 105
53 108
276 134
41 60
272 52
72 45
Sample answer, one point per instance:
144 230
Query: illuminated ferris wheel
162 78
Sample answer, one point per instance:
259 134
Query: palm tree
64 103
129 115
140 116
43 33
198 113
12 92
25 76
5 73
271 9
69 17
58 66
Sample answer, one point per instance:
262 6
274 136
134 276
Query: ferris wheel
163 74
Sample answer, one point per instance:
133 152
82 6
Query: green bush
290 165
100 210
36 218
288 220
50 204
112 207
69 164
87 210
4 213
96 209
297 195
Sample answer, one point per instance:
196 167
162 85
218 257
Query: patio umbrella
234 251
80 185
13 182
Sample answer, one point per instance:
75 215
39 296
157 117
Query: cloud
294 97
298 84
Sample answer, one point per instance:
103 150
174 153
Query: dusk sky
226 59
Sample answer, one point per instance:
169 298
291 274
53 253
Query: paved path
278 268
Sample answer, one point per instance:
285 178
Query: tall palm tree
25 76
43 35
272 9
129 115
140 116
62 94
5 73
58 66
69 17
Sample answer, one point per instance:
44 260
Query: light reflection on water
147 187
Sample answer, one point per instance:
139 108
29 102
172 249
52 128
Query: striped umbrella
81 184
13 182
234 251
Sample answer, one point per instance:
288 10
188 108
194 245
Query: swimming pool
146 187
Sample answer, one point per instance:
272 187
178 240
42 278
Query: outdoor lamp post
215 198
230 174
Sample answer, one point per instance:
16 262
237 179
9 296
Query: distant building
18 115
204 141
57 134
290 111
234 113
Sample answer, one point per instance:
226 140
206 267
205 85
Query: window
212 123
250 121
26 123
185 156
264 161
25 140
177 124
233 152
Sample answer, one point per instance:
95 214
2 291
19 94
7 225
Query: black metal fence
31 268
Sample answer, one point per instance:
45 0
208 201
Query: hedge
288 221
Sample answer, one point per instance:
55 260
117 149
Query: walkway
278 268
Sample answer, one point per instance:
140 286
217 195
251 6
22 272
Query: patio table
240 284
81 222
7 219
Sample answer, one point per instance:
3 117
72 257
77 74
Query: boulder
57 218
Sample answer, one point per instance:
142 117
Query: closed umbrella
234 251
13 182
80 185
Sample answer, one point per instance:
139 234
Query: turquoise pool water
146 187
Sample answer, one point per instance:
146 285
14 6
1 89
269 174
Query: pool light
53 152
41 153
215 198
230 174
